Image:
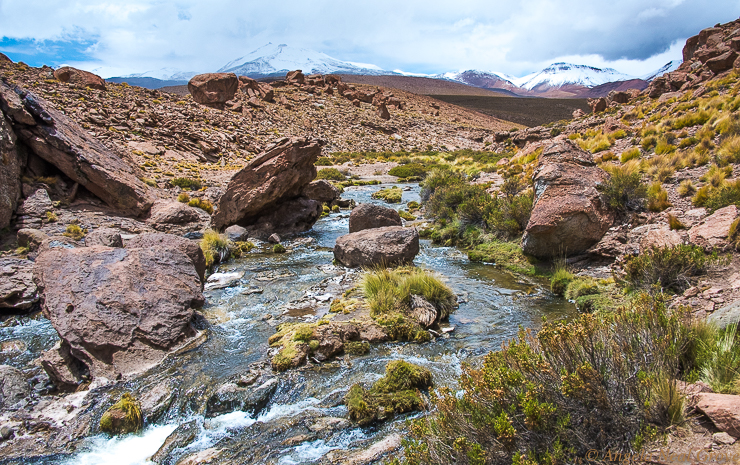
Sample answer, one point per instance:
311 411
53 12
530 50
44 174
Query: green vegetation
721 361
507 255
389 195
203 204
657 198
51 217
278 248
330 174
215 247
669 268
396 392
356 347
240 248
75 232
597 382
406 215
186 183
624 190
412 170
123 417
183 197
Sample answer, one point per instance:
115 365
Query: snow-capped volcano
165 74
273 60
561 74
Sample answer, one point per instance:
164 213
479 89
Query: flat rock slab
712 232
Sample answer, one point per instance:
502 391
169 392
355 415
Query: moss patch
390 195
123 417
507 255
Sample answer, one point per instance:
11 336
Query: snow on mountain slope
560 74
666 68
279 59
165 74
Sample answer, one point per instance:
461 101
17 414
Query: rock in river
377 246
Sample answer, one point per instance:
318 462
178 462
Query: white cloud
414 35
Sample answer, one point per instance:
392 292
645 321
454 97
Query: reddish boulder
79 77
383 112
722 62
569 215
377 246
12 163
107 237
17 289
12 105
279 174
295 77
712 232
155 241
597 105
369 215
288 217
723 410
120 311
619 96
322 191
167 215
213 89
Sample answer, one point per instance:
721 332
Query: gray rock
725 316
377 246
6 432
236 233
368 215
321 190
231 397
107 237
13 386
181 437
273 239
36 205
17 289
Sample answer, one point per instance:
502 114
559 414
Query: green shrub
729 150
389 195
75 232
691 119
581 286
183 198
629 154
721 367
507 255
674 223
686 188
396 392
668 267
407 171
186 183
203 204
657 198
215 247
324 161
406 215
560 280
278 248
241 248
330 174
624 189
727 194
592 383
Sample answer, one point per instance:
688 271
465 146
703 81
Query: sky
418 36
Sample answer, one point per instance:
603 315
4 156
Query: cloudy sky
421 36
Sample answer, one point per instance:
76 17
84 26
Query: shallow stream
493 305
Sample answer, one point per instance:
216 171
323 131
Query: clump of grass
729 150
186 183
278 248
560 280
149 182
51 217
406 215
670 268
668 405
411 170
715 176
715 198
721 368
215 247
674 223
123 417
389 195
203 204
686 188
356 347
507 255
624 189
75 232
629 154
657 198
183 198
580 286
396 392
330 174
240 248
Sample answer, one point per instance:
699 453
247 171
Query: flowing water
493 305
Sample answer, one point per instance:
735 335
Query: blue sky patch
47 52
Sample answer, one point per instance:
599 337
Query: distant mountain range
559 80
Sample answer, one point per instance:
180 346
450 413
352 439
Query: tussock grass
215 247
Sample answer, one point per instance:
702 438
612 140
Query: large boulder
289 217
155 241
11 166
322 191
166 215
108 237
279 174
119 310
569 215
377 246
79 77
369 215
17 289
723 410
712 232
63 143
213 89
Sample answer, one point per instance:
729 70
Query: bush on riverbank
668 267
598 382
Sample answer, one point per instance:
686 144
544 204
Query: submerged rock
569 215
377 246
183 435
231 397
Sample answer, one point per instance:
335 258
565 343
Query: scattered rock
231 397
723 438
120 310
723 410
79 77
712 232
273 239
36 205
183 436
213 89
377 246
369 215
13 386
17 290
236 233
569 215
107 237
65 371
6 432
165 213
223 280
383 112
369 455
31 238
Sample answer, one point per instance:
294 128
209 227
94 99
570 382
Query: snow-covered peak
560 74
279 59
666 68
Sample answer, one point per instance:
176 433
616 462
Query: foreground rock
712 232
272 178
79 77
156 241
569 215
61 142
385 246
17 289
723 410
11 165
213 89
13 386
369 215
120 311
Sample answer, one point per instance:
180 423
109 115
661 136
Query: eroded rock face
568 215
119 310
322 191
377 246
17 289
712 232
79 77
290 217
275 176
155 241
213 89
369 215
11 166
63 143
